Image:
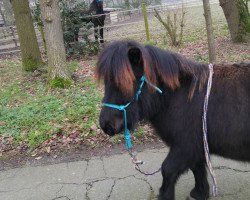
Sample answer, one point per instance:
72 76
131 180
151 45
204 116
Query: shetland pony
95 8
176 114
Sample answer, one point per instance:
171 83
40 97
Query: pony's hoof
102 44
190 198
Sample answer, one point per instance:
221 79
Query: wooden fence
9 43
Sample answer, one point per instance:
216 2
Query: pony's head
121 66
99 4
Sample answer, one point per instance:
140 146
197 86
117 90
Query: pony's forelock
113 66
125 79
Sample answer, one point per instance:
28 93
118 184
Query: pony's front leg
172 167
201 189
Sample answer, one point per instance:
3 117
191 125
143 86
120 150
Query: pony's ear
141 64
135 59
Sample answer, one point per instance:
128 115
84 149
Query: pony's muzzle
109 129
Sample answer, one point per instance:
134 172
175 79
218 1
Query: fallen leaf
93 127
38 158
85 119
48 149
2 123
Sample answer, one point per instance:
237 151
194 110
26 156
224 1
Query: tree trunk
210 35
31 57
157 2
2 15
59 75
238 18
8 13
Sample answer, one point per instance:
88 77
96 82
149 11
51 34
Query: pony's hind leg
173 166
96 28
101 34
76 34
201 189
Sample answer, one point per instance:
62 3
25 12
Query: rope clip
134 159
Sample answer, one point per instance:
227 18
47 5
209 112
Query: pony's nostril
109 129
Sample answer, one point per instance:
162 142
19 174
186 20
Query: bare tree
238 19
172 26
31 56
210 35
59 75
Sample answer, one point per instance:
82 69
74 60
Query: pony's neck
151 104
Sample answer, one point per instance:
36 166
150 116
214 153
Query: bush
84 47
174 26
71 13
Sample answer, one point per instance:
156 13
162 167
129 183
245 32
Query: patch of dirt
226 51
14 159
72 147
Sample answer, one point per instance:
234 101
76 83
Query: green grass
117 138
138 134
31 112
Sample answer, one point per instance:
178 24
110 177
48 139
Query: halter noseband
127 135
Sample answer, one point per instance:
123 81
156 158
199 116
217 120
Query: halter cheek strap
127 135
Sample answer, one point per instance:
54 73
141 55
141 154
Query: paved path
103 178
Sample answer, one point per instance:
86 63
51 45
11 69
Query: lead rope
204 122
138 162
133 156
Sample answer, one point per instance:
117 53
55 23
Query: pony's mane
173 68
114 65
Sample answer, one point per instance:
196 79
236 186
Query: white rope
204 122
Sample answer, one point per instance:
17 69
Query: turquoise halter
127 135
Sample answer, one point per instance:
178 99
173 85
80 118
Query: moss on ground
60 83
